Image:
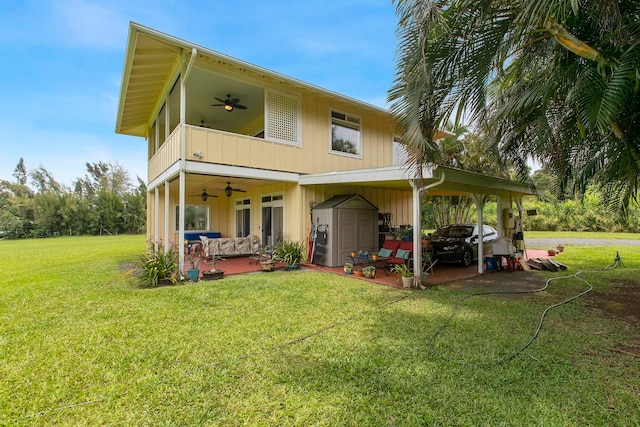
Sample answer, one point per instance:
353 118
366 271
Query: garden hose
533 338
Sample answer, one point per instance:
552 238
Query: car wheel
467 258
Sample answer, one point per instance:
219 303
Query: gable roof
347 201
153 59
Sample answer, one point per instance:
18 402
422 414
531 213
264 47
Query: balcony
225 148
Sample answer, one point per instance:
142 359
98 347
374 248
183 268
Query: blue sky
62 65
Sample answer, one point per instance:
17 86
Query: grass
82 344
582 235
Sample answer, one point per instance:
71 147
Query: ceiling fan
229 104
204 195
228 190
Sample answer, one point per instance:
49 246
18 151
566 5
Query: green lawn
82 344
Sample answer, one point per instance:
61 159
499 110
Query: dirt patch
622 302
499 281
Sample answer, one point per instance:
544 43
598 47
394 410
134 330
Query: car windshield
454 231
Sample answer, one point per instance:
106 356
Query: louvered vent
282 123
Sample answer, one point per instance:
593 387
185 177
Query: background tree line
104 201
558 207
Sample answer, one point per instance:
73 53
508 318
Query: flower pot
348 271
407 282
560 248
212 274
369 275
357 273
292 267
193 274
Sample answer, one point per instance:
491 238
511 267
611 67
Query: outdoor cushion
385 252
403 253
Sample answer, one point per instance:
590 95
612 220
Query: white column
417 230
478 199
156 216
166 215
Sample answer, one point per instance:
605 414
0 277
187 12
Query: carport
436 180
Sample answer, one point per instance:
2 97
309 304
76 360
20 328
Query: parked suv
459 242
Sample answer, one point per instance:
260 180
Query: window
282 118
243 217
345 134
400 155
196 218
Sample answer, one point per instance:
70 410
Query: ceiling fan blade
239 190
240 107
233 101
218 105
220 100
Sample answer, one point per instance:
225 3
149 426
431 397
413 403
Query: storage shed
352 225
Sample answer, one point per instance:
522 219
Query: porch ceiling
153 59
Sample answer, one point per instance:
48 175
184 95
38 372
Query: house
237 150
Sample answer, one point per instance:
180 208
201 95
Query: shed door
357 232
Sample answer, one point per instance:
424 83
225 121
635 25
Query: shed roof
346 201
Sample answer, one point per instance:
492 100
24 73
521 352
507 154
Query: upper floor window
400 154
282 117
345 134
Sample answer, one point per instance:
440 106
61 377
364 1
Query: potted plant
406 232
212 274
405 274
369 271
158 267
194 255
291 253
348 268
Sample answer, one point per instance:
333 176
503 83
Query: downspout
186 71
418 191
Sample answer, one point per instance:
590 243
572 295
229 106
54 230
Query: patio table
366 261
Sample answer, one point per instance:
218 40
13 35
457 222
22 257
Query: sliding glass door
272 219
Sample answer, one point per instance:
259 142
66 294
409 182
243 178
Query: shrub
157 264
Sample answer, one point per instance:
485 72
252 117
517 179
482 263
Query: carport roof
456 181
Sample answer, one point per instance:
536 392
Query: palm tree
557 81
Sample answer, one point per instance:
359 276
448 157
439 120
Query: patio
442 273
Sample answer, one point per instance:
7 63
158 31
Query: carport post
418 190
478 199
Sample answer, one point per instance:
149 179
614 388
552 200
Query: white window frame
177 218
240 205
269 117
400 154
350 121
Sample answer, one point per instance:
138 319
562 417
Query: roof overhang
456 181
152 61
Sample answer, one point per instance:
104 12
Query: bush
157 265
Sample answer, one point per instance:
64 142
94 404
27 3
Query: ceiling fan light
204 196
228 107
228 191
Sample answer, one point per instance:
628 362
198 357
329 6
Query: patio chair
402 254
261 253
